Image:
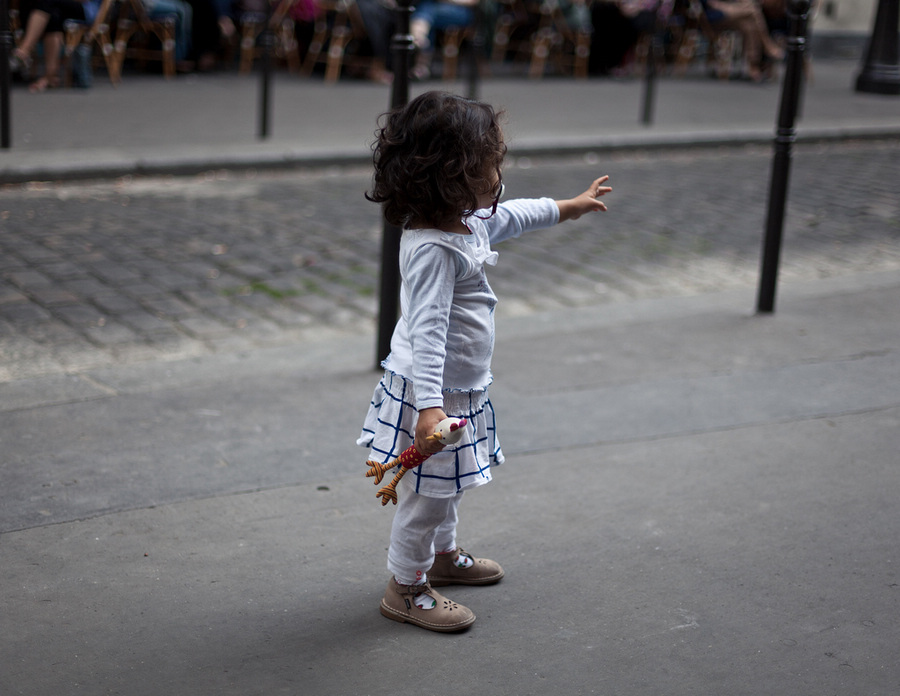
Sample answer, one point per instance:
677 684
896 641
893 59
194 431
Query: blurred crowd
60 42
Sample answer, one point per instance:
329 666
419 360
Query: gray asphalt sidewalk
202 122
696 499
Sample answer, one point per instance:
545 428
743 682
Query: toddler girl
438 176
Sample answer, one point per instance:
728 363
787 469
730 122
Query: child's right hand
425 427
587 202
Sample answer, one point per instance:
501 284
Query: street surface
696 499
137 269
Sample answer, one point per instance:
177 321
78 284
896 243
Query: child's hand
425 427
587 202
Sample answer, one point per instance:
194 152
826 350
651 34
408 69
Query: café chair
134 31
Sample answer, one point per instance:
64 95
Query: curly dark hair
434 157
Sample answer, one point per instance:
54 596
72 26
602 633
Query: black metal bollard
649 95
654 50
881 71
476 50
648 100
6 45
798 11
265 76
402 46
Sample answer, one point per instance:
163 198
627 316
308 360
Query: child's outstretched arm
587 202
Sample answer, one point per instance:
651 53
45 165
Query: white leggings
421 526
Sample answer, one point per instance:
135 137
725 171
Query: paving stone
63 270
28 279
144 322
111 333
80 316
165 335
53 333
116 303
289 315
88 288
9 294
203 327
23 313
52 295
142 291
168 306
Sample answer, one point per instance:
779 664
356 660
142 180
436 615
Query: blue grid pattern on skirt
390 425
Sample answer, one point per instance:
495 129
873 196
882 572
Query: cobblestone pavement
109 272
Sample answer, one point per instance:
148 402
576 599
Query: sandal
421 69
19 63
460 568
42 84
420 73
422 606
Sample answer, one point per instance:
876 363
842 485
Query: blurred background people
431 16
44 19
746 17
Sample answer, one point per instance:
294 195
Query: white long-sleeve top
444 339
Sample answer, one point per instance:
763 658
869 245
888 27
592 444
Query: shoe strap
413 590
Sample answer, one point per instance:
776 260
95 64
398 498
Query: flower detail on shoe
402 603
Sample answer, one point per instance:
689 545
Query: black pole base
879 79
881 71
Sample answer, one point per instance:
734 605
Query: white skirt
390 428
